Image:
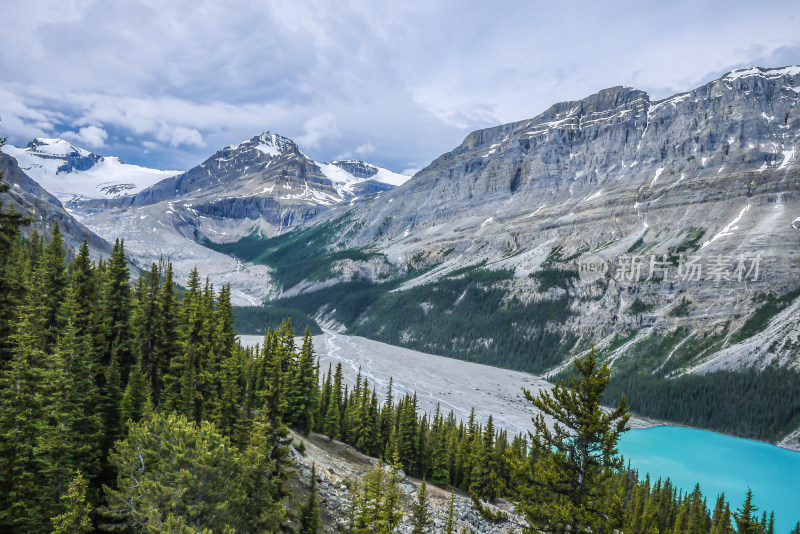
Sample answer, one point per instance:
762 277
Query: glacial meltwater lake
720 464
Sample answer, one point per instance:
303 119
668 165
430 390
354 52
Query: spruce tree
144 319
746 519
50 290
420 515
407 433
11 284
80 398
226 384
134 399
167 340
186 380
304 388
309 513
263 476
450 520
116 311
332 420
76 518
26 502
84 294
391 513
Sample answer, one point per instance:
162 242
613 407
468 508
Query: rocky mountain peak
73 158
267 143
55 147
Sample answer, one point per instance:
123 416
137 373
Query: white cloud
365 149
412 77
179 135
317 129
410 171
88 136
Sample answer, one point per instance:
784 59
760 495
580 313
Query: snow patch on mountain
345 181
72 173
793 70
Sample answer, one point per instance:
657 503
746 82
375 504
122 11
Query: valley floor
456 385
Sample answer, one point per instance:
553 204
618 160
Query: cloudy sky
166 84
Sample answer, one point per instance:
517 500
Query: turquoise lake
720 464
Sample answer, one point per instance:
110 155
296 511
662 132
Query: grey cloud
409 79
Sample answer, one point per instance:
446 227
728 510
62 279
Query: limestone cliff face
710 173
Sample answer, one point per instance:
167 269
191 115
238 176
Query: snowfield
45 161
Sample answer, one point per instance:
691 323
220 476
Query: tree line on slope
130 407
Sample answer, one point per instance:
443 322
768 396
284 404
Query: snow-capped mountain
265 184
73 174
268 166
25 195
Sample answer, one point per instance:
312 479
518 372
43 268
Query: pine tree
116 299
134 399
746 519
33 455
420 518
166 456
450 521
304 388
309 513
76 518
562 487
332 417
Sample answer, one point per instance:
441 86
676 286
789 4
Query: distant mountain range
264 185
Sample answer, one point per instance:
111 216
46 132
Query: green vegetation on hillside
256 320
549 276
294 256
763 315
752 404
465 314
